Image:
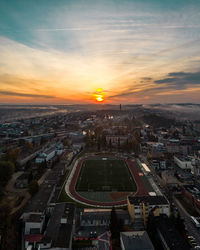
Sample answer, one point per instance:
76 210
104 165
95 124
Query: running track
141 191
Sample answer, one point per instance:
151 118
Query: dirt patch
119 195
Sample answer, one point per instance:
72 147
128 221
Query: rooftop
183 158
49 150
151 200
33 237
34 218
194 190
39 201
103 214
171 236
60 233
136 240
23 176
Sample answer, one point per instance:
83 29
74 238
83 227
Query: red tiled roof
33 237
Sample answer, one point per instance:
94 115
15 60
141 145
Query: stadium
106 180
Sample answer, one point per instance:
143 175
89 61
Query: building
195 170
94 224
183 162
164 233
191 193
175 147
33 230
56 234
141 206
46 156
101 217
169 179
158 164
35 214
116 139
38 204
59 232
135 240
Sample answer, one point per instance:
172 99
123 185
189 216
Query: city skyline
134 51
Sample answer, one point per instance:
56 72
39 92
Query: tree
33 187
29 145
136 134
99 143
114 225
136 146
118 144
104 142
110 144
13 153
65 142
6 170
98 131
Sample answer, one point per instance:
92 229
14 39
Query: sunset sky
62 51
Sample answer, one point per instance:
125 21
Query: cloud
180 79
73 49
10 93
146 78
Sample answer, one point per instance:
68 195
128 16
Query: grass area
65 198
63 178
105 174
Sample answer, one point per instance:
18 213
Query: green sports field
105 175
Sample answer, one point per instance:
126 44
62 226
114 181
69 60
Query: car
194 243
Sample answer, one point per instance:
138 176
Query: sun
99 95
99 98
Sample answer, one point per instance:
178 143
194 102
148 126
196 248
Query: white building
47 155
34 225
183 162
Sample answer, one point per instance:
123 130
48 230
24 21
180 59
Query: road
10 187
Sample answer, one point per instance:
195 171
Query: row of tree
97 139
7 165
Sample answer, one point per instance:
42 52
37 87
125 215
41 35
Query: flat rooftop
58 233
151 200
34 218
171 236
137 240
38 202
183 158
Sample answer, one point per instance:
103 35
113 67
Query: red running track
141 191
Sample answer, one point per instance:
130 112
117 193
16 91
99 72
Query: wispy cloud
10 93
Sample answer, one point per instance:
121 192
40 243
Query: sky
128 51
